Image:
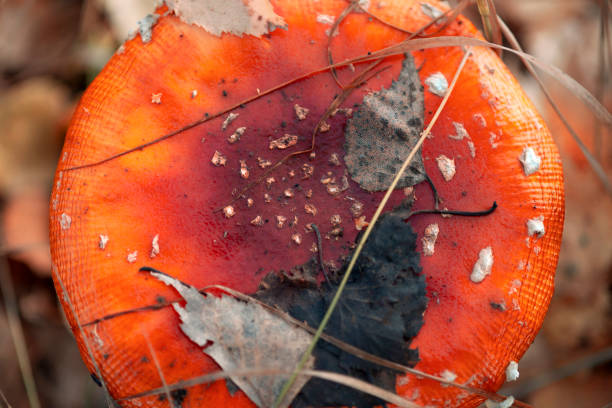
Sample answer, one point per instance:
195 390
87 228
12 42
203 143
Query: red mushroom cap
172 205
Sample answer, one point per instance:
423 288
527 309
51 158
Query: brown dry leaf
243 335
383 131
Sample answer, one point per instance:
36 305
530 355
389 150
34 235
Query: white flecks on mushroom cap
229 119
218 159
448 375
493 140
530 160
228 211
507 403
460 132
65 221
535 226
283 142
235 137
429 239
446 166
103 241
437 83
512 372
155 246
255 17
145 27
325 19
483 266
132 256
430 11
156 98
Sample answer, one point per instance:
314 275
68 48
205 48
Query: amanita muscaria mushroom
461 300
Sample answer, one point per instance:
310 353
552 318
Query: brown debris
284 142
218 159
229 211
234 137
310 209
257 221
300 111
263 163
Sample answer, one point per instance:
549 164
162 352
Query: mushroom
168 198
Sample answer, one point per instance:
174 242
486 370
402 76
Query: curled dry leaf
238 335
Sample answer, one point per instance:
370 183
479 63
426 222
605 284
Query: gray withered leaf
383 131
243 335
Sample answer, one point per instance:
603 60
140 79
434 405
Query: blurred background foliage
51 49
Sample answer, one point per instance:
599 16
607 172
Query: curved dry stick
348 10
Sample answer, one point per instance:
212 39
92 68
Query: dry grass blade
488 14
109 400
599 171
325 375
332 32
445 19
12 314
456 41
368 231
4 400
157 366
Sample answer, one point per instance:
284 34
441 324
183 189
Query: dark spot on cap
178 396
501 306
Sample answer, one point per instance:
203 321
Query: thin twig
367 233
488 15
157 366
14 322
4 400
332 31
